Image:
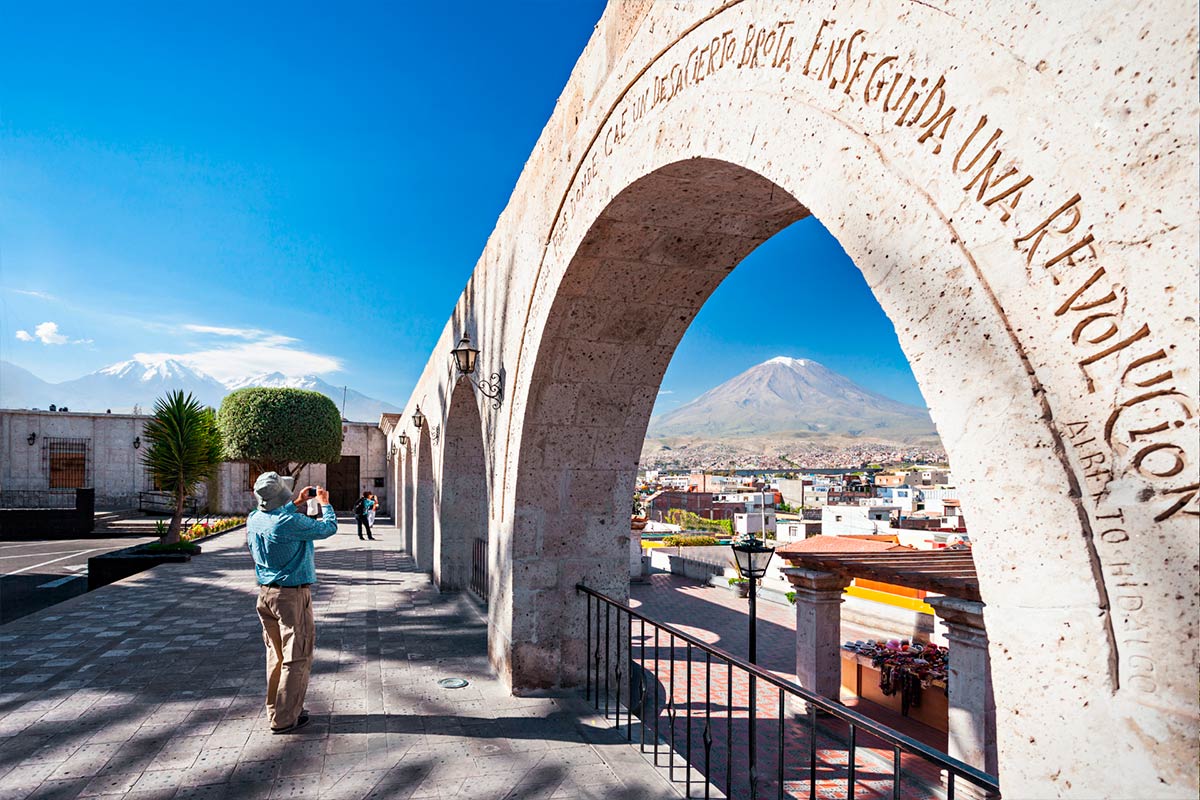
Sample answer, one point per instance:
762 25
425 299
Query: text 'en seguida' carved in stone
1145 430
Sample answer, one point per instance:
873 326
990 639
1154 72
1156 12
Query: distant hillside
798 398
138 382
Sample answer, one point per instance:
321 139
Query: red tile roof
838 544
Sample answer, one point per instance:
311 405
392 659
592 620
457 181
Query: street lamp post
752 559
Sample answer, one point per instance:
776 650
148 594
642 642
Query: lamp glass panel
759 561
743 561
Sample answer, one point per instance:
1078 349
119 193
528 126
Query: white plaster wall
1055 338
115 466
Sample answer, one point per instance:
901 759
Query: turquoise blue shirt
281 542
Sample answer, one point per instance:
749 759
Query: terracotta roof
836 544
949 572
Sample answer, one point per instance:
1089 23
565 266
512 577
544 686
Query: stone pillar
972 722
818 629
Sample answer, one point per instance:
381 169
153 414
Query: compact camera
312 492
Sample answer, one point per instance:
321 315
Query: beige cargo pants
289 634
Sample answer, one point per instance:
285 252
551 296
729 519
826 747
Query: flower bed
204 529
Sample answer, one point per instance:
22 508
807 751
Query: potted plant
638 518
740 586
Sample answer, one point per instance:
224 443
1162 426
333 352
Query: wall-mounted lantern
418 419
465 359
392 452
31 438
137 442
402 439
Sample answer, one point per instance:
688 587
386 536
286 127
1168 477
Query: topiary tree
283 430
183 449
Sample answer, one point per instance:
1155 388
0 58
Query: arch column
421 538
408 500
462 510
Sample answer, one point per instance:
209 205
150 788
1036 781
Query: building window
67 462
150 480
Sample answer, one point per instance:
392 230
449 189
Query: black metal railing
164 503
37 498
479 568
741 740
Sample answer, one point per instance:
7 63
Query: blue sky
293 187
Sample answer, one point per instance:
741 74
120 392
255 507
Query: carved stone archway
1017 185
462 511
424 499
409 497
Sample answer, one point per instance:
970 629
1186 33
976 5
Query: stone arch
462 509
1031 244
424 500
409 498
396 486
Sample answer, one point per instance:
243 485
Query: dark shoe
361 539
372 538
300 723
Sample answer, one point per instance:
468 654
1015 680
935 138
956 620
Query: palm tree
184 450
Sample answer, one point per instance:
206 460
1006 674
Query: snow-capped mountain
786 395
138 382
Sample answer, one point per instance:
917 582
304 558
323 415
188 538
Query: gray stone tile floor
153 688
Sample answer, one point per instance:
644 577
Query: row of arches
442 517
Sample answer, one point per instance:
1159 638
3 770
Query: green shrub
677 540
280 429
737 581
689 520
791 596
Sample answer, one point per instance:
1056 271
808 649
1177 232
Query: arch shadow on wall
462 504
423 504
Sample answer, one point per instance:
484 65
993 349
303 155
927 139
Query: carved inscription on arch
1147 431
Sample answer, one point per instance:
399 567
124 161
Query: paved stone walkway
153 688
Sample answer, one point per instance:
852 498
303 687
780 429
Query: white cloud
216 330
252 334
32 293
253 358
661 392
47 333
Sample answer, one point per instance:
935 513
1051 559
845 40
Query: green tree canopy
280 429
184 448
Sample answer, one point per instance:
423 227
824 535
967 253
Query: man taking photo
280 537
